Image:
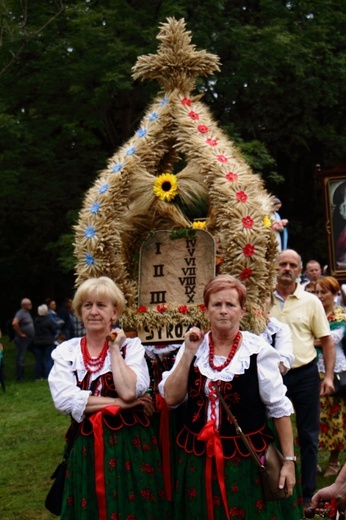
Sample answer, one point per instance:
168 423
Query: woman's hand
119 338
193 339
287 477
144 400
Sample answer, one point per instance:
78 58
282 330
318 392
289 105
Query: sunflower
199 224
166 186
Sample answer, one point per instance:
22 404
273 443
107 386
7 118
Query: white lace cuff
78 405
280 409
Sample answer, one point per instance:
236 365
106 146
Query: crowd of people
103 382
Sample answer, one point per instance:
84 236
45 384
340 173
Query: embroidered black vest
242 397
125 417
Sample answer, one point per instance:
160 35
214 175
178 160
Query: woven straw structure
122 208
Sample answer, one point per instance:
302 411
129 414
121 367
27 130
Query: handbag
269 464
54 496
340 384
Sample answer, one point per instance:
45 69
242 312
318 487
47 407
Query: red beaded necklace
230 355
93 364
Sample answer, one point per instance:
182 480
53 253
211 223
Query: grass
32 441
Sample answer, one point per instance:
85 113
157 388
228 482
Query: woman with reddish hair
333 408
216 478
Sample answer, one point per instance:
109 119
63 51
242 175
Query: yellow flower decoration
267 222
199 224
166 186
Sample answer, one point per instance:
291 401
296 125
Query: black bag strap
238 428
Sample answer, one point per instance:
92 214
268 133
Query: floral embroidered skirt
133 477
244 492
332 423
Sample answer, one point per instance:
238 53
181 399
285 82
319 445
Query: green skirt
244 492
133 477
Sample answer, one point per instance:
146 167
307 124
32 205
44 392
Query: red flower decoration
230 176
249 250
247 222
112 462
211 142
202 307
142 308
246 273
202 128
222 159
84 502
193 115
241 196
161 308
183 309
186 101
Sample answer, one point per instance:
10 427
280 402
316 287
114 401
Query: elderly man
24 332
305 315
313 271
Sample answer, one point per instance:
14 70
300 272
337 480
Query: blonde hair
102 287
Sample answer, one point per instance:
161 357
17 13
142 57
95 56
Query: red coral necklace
230 355
90 363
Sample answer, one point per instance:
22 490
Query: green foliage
68 101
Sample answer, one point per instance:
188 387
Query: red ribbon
210 434
165 444
97 422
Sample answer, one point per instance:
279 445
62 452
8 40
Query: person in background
279 225
246 370
333 408
310 287
78 326
43 342
337 490
65 313
279 336
23 325
304 314
114 469
52 314
312 273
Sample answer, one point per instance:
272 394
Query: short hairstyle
42 310
329 283
102 287
313 262
224 281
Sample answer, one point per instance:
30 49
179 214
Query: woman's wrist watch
293 459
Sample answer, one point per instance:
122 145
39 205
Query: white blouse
68 398
283 340
271 388
340 359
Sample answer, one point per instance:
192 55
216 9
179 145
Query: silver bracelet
294 459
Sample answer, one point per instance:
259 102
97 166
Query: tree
68 101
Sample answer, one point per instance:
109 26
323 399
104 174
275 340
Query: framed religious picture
334 184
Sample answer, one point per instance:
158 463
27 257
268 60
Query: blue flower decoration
103 188
165 101
95 207
90 232
131 151
117 167
89 259
153 116
141 132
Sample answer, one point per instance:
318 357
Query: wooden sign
174 271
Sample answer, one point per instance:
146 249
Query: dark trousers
303 388
22 345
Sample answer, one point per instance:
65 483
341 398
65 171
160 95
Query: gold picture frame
334 190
